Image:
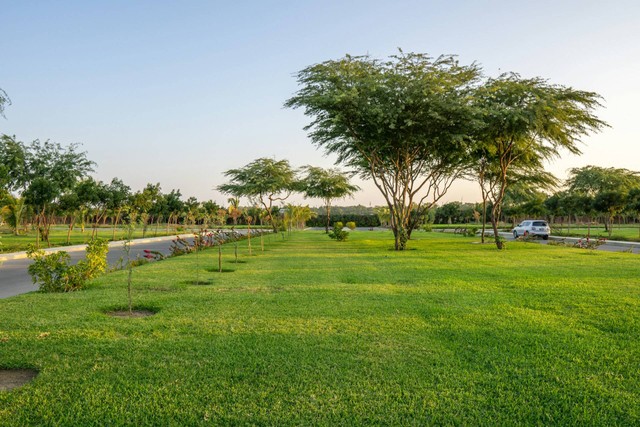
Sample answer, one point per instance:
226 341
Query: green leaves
404 122
264 179
54 273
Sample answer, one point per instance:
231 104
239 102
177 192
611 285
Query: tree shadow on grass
198 282
216 270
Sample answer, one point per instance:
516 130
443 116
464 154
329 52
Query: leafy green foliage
53 272
327 185
591 180
522 124
351 225
404 123
371 220
338 233
264 180
471 231
95 262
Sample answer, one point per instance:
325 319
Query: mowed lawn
317 332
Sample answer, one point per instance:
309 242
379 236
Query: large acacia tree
403 122
264 180
525 122
326 184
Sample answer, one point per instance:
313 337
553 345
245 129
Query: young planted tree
525 122
142 202
264 180
94 197
609 204
12 211
175 206
234 209
327 185
69 205
404 123
118 195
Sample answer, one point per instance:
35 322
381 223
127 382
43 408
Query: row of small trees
266 181
44 183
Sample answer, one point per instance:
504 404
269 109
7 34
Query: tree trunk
496 236
484 217
115 224
249 236
72 220
328 224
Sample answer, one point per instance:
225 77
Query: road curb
616 243
76 248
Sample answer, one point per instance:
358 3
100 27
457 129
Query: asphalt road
15 280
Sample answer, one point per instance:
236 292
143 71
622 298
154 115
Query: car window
539 224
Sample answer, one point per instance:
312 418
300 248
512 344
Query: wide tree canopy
525 122
404 123
264 180
327 185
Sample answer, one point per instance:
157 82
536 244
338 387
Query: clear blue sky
178 92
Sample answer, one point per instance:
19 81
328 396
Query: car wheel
526 233
545 237
515 234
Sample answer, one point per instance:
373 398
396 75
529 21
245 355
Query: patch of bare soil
14 378
131 314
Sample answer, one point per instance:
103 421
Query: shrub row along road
15 279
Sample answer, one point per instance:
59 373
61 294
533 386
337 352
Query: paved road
609 246
15 280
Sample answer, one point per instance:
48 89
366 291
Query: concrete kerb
75 248
618 243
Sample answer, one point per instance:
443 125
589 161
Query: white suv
533 227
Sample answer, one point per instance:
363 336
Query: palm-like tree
12 212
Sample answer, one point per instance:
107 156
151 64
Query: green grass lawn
316 332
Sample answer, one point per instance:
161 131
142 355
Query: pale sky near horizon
179 92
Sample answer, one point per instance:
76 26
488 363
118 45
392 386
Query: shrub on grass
470 231
53 273
338 233
351 225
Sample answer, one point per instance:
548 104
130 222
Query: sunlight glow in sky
177 93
